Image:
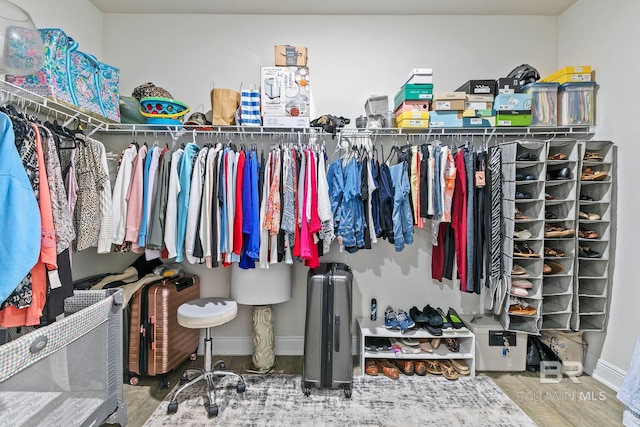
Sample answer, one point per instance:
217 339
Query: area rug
278 400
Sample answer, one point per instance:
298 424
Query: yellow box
413 124
411 115
574 69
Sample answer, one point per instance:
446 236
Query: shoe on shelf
370 345
559 174
425 345
551 267
586 198
410 342
436 331
461 366
435 343
404 320
524 284
387 368
519 292
588 234
405 366
446 323
391 319
553 252
587 252
518 270
455 319
420 367
521 307
519 215
557 156
452 344
418 317
548 196
592 156
524 195
405 349
521 233
527 157
589 174
370 368
434 317
448 371
522 250
433 367
551 231
382 344
589 216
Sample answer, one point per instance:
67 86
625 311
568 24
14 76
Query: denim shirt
344 193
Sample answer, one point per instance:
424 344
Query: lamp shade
261 286
21 47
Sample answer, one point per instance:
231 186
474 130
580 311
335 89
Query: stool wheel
193 356
165 383
172 408
184 379
134 380
213 411
241 387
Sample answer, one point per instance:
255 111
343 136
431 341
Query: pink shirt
134 201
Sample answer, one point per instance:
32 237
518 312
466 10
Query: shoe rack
368 328
530 170
596 207
561 194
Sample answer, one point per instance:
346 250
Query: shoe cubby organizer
573 189
374 329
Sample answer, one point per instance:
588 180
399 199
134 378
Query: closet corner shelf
41 105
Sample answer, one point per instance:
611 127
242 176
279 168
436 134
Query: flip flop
522 250
433 367
592 156
461 366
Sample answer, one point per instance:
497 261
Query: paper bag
224 103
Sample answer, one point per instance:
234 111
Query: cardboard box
420 76
286 55
410 115
413 106
479 87
285 122
574 69
445 119
490 345
509 85
413 124
376 105
448 101
413 92
512 101
509 118
479 102
479 118
284 91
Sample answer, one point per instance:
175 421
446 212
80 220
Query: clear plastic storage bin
545 103
577 103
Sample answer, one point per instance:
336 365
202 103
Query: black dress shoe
560 174
434 317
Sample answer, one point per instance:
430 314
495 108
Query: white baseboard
608 374
243 346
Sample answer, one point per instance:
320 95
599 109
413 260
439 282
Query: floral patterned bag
73 77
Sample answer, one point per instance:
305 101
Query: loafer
434 317
417 316
405 366
370 368
420 367
527 157
387 368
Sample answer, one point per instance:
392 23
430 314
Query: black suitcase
328 362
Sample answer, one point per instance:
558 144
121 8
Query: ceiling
338 7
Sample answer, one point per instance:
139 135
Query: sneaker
405 321
390 319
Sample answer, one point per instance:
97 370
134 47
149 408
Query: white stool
205 313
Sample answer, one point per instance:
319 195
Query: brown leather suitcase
157 343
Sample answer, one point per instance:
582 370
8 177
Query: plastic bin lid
577 85
536 85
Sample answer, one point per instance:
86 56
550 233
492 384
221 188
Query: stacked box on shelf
571 74
447 109
508 85
544 103
576 104
285 89
513 109
478 111
411 103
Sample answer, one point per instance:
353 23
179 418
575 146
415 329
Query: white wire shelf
53 109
